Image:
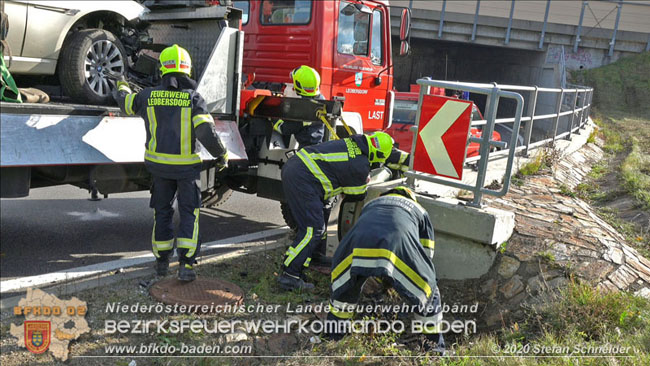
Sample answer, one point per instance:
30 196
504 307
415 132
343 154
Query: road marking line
22 283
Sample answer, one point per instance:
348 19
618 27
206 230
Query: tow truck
241 76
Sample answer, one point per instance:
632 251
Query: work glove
123 85
221 162
277 126
398 161
398 167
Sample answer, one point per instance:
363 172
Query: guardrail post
424 89
588 112
582 119
484 149
573 115
558 108
529 125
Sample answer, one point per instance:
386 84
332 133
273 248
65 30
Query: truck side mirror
405 25
404 32
404 48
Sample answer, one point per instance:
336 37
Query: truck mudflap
42 139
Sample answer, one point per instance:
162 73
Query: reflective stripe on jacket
393 238
173 113
340 166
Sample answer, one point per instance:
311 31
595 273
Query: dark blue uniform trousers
188 193
304 195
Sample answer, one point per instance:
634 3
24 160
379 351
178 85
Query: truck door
360 56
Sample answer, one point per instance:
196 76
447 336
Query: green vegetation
621 106
598 170
257 276
573 319
534 166
625 172
620 86
566 191
592 136
547 256
543 160
635 172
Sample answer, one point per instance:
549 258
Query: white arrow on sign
432 133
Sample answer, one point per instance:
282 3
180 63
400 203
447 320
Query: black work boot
186 272
162 266
289 282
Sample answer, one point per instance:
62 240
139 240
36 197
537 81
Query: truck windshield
354 29
275 12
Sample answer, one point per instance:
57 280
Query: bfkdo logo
50 323
37 335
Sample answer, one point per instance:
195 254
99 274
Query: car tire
85 56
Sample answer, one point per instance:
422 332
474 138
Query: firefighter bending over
175 116
393 241
316 174
306 83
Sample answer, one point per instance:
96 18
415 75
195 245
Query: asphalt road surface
58 228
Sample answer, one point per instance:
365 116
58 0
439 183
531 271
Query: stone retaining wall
555 237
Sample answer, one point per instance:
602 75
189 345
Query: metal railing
576 102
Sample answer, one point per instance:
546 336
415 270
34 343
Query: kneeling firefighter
392 241
175 117
316 174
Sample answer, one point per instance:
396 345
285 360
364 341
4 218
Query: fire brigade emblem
37 336
358 78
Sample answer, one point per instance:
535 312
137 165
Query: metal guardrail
578 98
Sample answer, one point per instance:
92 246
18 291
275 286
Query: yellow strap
253 104
321 115
347 128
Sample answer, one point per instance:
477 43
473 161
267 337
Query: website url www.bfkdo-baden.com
153 349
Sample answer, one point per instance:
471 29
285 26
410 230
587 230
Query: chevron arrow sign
442 136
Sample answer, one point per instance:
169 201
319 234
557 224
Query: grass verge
623 176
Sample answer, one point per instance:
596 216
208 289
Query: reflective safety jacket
338 166
393 238
175 115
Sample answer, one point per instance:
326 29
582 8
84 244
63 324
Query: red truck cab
347 41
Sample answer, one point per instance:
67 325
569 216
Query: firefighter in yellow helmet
175 117
306 84
313 176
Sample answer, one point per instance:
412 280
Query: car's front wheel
87 57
